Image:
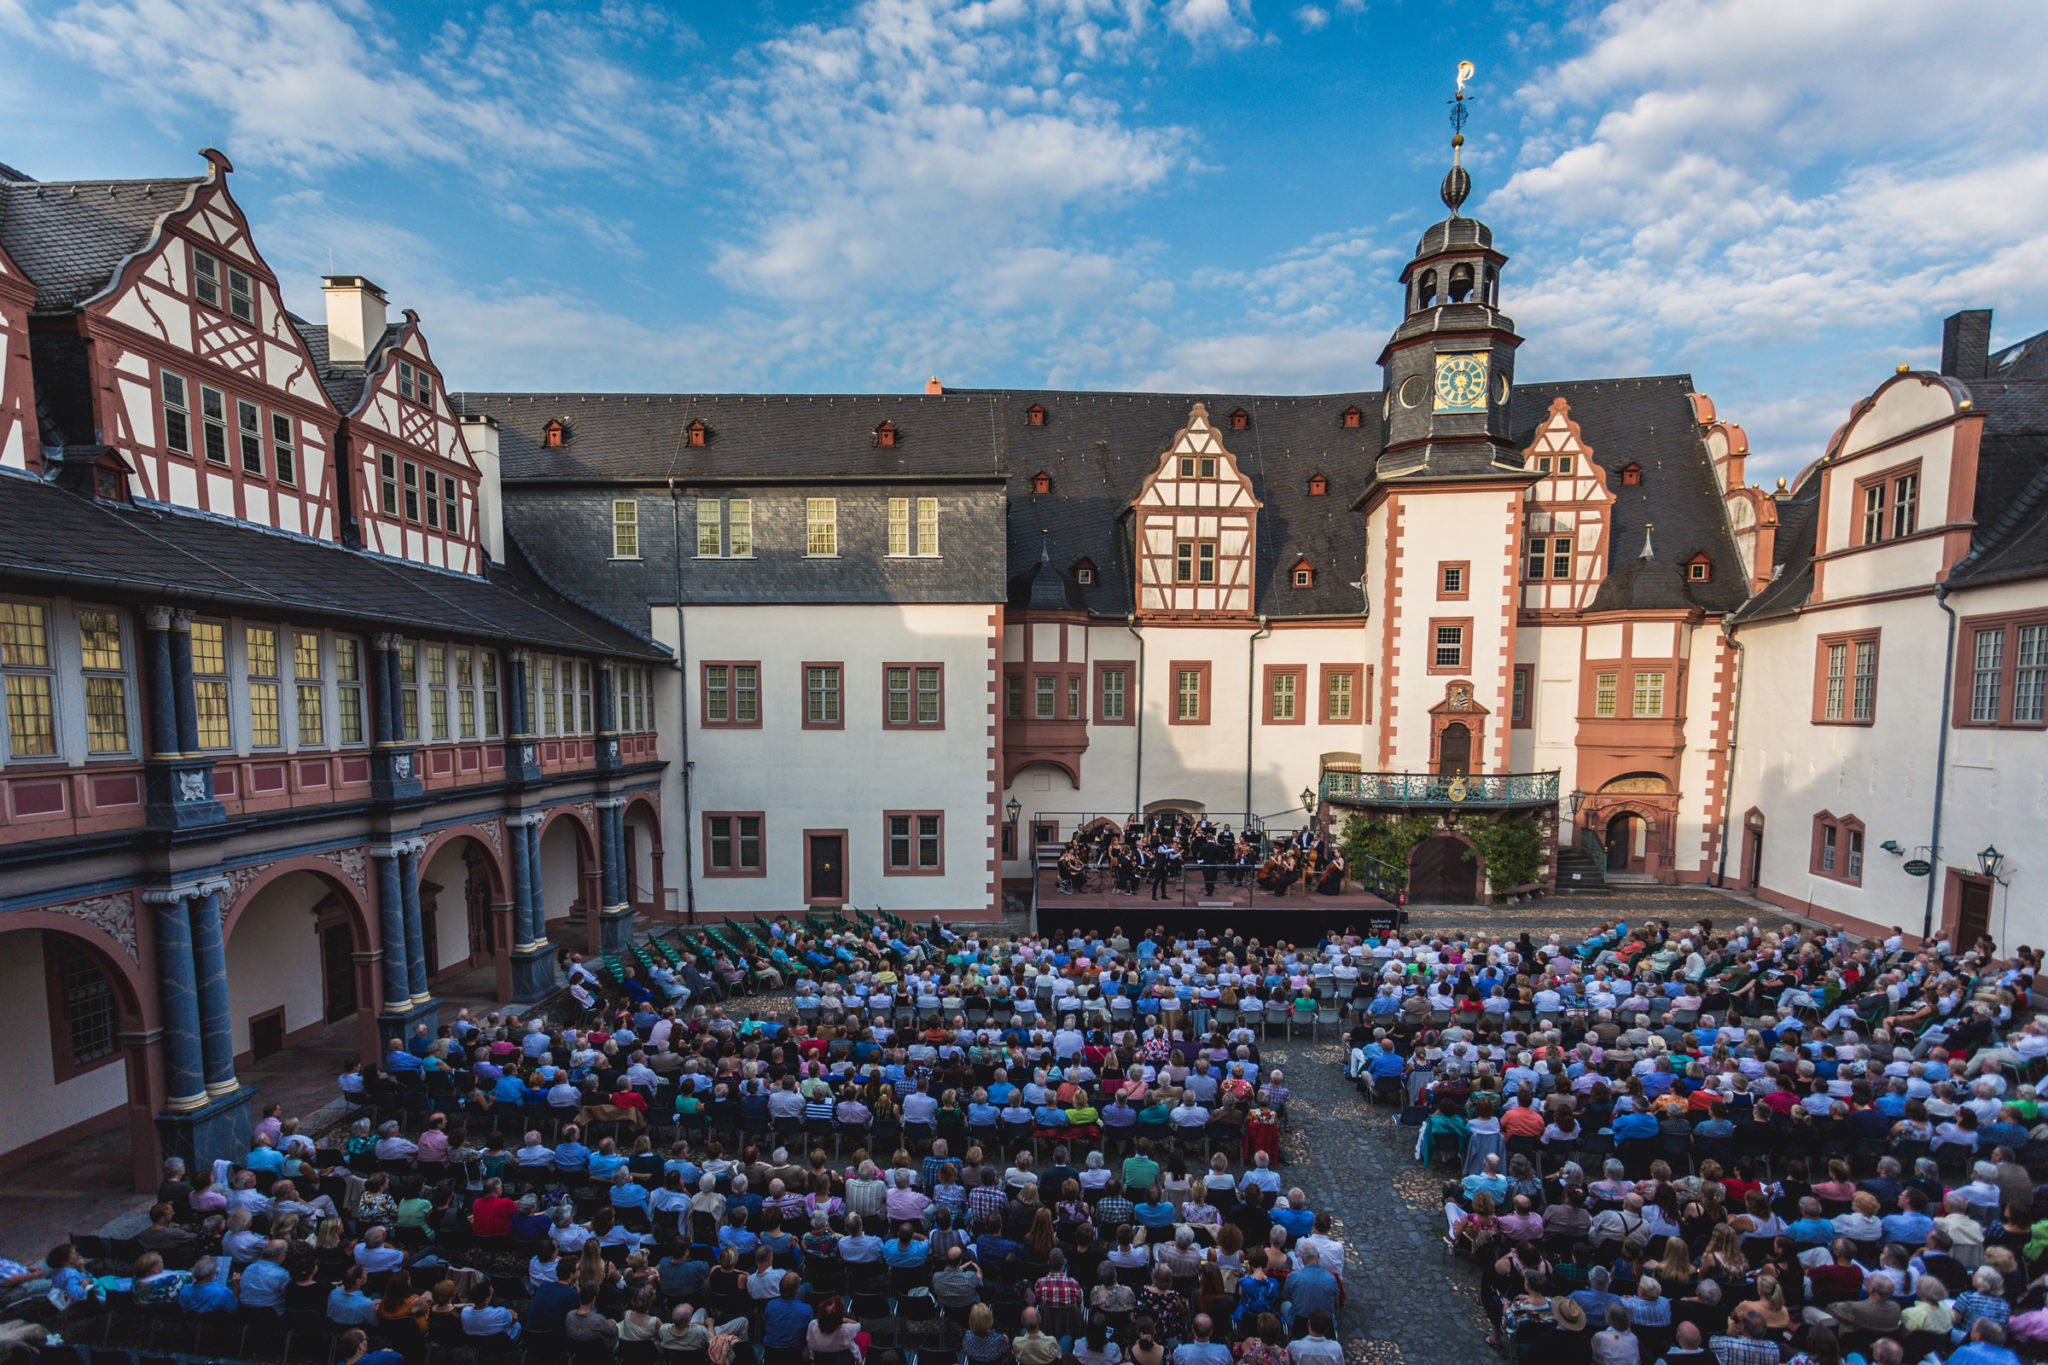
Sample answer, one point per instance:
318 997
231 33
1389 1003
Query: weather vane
1457 183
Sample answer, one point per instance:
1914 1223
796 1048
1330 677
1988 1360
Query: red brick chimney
933 385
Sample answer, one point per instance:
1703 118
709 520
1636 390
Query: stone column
185 700
177 990
391 932
177 778
163 690
415 933
616 927
210 968
531 961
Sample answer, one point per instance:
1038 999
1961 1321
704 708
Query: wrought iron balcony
1439 791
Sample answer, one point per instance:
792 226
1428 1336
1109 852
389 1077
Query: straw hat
1570 1316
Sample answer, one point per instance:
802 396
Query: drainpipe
1948 679
1138 768
1251 710
675 512
1734 730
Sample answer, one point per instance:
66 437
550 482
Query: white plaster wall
273 956
1552 653
1435 527
839 779
1692 840
451 920
36 1105
559 883
643 853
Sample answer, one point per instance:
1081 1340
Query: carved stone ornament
192 786
401 765
239 879
496 831
113 915
350 863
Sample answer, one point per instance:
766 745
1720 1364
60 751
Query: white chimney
480 434
355 318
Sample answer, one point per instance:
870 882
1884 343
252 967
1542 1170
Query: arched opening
642 831
1627 840
459 883
1425 291
1440 874
1454 750
292 944
1752 849
1181 804
1461 283
567 879
67 1002
1490 291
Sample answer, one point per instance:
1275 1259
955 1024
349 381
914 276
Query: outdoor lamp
1013 809
1308 798
1990 860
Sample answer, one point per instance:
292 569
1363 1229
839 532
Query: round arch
345 891
586 837
494 863
1015 767
641 801
134 995
1186 805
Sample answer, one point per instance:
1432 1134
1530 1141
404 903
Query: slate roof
344 383
753 437
1099 447
58 539
71 236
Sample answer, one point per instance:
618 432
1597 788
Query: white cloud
1204 22
1311 18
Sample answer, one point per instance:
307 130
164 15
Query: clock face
1461 383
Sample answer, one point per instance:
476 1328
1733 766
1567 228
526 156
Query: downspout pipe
1138 768
1734 732
675 511
1948 682
1251 710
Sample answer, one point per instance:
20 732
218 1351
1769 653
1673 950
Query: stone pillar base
615 925
398 1024
218 1128
533 972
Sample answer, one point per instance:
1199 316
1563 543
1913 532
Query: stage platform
1245 909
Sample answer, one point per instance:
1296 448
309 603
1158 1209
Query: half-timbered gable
413 480
18 446
1197 528
1565 517
164 335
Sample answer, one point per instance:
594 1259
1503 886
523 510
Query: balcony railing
1472 790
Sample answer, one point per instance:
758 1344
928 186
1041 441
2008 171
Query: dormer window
1631 474
697 433
1034 416
885 435
1041 482
1084 573
555 434
1304 575
1240 419
1350 417
1318 486
1700 570
415 384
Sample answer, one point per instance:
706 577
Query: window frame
124 673
1607 693
46 672
284 448
625 528
705 720
64 1063
1174 671
733 836
1462 592
346 688
2008 626
914 682
249 439
1850 847
1885 483
1849 641
182 409
1330 673
1270 690
1635 693
821 526
916 836
1125 669
309 685
213 426
220 679
1522 697
838 668
1189 551
1462 624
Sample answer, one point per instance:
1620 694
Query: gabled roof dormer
1196 523
555 434
1084 572
1034 416
1631 474
1240 420
1351 417
1041 482
1318 486
696 433
1302 575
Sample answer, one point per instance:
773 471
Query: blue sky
1781 198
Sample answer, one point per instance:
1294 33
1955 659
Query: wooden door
828 874
1621 838
338 972
1973 912
1439 874
1753 858
1454 750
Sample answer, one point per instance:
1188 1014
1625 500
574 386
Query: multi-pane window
1113 693
710 530
387 482
283 448
1187 694
1838 847
739 515
821 526
913 526
734 843
259 645
31 682
2030 674
1863 689
210 683
1285 698
88 1003
1855 851
732 694
433 499
1193 467
821 694
1045 696
1987 676
437 692
465 693
213 423
1830 838
415 383
408 691
1518 705
912 694
451 513
106 682
915 843
1890 505
899 526
1548 557
585 724
1340 694
1194 561
927 526
348 690
206 279
312 698
1449 648
1605 687
626 528
249 434
1073 696
1454 580
1013 696
412 491
177 414
488 693
1649 694
549 697
211 280
1905 504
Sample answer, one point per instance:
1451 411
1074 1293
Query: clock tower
1450 366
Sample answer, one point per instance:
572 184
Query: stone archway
645 881
301 951
568 878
